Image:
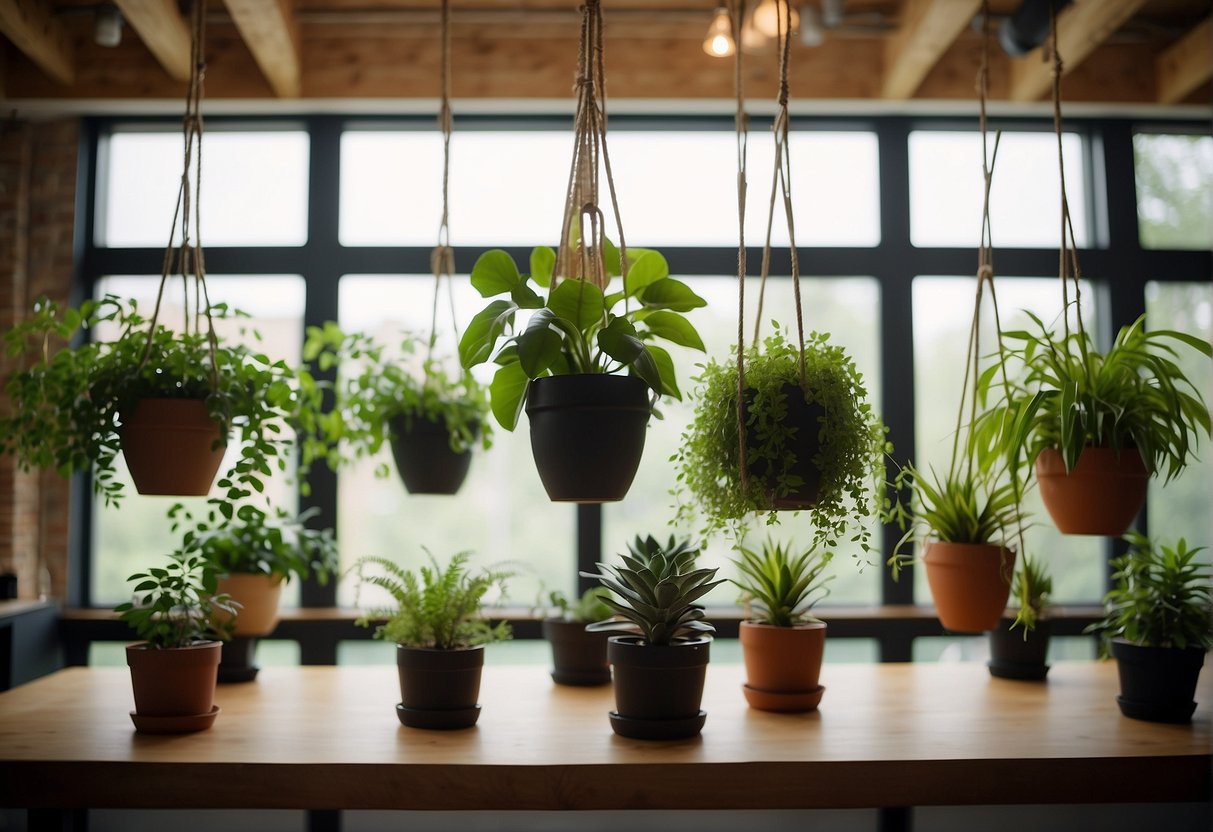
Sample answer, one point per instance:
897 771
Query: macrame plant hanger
1067 266
737 9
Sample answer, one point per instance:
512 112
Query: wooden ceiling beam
163 31
271 33
928 28
1187 64
1081 28
32 28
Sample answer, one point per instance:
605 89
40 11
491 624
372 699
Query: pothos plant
577 327
385 388
69 400
851 435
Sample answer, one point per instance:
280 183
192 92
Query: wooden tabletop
328 738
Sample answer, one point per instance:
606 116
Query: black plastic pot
806 416
1012 656
658 690
587 434
422 450
1157 684
439 688
236 661
579 658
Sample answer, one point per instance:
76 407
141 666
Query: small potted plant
820 447
579 657
1158 628
964 521
782 643
660 665
440 635
1020 645
253 553
1096 425
431 421
588 422
173 666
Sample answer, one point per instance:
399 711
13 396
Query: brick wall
37 220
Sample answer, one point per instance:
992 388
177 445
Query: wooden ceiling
1122 51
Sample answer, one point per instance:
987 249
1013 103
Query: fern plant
780 589
656 589
437 607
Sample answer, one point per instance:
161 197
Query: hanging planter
425 460
1101 495
172 447
970 583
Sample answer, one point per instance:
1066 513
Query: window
1174 190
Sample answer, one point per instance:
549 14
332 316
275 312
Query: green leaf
665 369
482 333
618 340
673 328
543 261
671 294
539 346
495 273
578 301
649 268
507 392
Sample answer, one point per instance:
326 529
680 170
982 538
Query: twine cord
442 257
741 123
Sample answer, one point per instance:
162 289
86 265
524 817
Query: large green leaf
482 333
543 261
665 370
507 393
647 269
673 328
578 301
671 294
495 273
539 346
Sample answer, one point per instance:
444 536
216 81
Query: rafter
928 28
32 29
1186 65
1081 28
163 31
271 33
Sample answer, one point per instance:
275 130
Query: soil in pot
806 416
439 688
579 658
658 690
970 583
1102 495
1014 656
174 688
172 447
424 458
587 434
783 665
1157 684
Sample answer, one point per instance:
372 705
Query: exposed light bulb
812 33
719 42
768 17
753 40
107 26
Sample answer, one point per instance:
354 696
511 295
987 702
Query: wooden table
327 738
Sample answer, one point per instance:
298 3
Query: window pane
254 188
943 309
946 190
1174 190
502 512
137 535
1180 508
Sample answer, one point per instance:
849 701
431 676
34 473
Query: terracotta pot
579 658
258 596
172 447
176 682
970 583
1016 655
805 445
783 665
439 688
587 434
1157 684
1102 495
658 690
424 459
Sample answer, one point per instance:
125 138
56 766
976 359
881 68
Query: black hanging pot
1016 655
424 458
587 434
806 418
1157 684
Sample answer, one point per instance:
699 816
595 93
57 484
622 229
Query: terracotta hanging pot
174 688
439 688
1102 495
1015 654
258 596
424 458
579 658
806 418
783 665
587 434
970 583
1157 684
658 689
172 447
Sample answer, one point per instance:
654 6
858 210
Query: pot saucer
1021 672
581 678
174 724
658 729
785 701
1178 714
451 720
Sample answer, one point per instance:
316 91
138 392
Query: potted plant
782 643
1158 628
254 552
588 422
431 420
173 666
1096 425
579 657
659 667
1020 645
440 636
818 448
153 394
964 520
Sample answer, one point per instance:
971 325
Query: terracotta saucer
783 702
658 729
174 724
447 720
